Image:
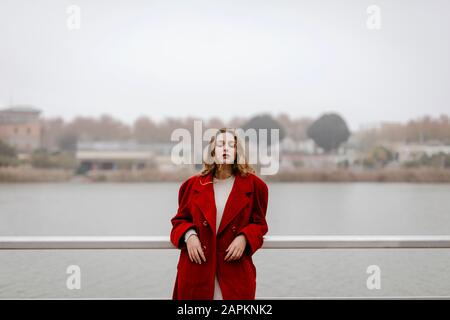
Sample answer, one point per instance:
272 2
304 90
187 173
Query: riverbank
409 175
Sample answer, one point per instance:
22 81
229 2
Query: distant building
21 127
129 155
292 146
413 151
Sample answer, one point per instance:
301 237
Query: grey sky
227 58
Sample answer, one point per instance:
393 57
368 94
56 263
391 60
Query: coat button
204 247
205 223
233 228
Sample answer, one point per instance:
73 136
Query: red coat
244 213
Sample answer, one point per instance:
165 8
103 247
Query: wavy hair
240 165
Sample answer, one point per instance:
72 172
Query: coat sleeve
182 221
257 228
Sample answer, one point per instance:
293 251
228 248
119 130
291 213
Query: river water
143 209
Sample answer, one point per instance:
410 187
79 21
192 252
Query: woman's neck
223 171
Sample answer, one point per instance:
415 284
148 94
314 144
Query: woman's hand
195 249
236 248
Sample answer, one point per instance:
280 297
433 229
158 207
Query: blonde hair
242 168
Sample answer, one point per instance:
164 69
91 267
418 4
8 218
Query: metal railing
270 242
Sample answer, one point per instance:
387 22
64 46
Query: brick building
21 128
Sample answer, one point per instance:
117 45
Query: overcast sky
227 58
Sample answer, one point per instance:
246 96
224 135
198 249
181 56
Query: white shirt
222 189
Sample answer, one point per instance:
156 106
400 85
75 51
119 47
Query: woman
219 225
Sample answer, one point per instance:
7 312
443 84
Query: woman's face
225 150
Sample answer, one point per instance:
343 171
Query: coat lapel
238 198
204 199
